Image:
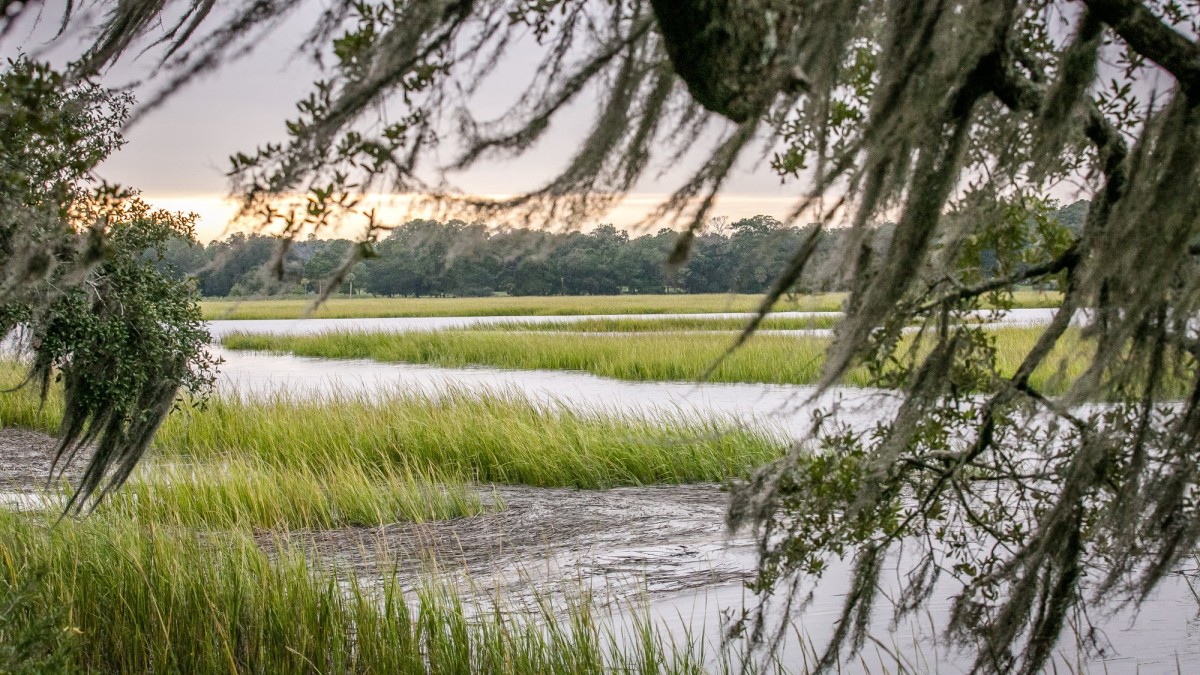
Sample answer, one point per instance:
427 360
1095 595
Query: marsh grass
170 575
543 306
498 438
666 356
254 494
458 436
776 359
659 325
510 306
135 599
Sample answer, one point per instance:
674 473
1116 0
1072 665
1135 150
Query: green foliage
80 276
123 343
425 258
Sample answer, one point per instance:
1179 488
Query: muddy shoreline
25 460
618 546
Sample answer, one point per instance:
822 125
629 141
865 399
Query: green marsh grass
295 308
487 437
663 325
457 436
776 359
667 356
138 599
249 494
510 306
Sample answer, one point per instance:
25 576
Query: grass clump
347 443
250 494
131 599
32 639
487 437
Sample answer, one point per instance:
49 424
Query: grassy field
667 356
540 306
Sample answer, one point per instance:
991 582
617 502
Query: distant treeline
425 258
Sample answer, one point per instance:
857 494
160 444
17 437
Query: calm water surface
789 407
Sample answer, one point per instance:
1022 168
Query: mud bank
620 546
25 460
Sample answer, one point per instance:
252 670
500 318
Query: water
786 407
783 407
1163 636
430 323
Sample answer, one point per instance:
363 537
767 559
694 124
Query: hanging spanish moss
79 289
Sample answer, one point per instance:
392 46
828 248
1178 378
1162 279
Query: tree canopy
955 119
429 258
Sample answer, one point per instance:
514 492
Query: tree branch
1069 258
1150 37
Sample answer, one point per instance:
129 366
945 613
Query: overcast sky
177 156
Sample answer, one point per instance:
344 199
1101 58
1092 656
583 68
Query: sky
178 154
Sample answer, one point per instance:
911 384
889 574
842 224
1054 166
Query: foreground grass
542 306
122 597
766 359
169 575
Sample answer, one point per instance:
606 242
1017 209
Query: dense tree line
424 258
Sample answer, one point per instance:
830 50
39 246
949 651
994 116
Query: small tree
81 281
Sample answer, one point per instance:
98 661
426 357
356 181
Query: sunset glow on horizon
215 212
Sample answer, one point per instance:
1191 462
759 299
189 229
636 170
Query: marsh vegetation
205 560
646 355
680 303
275 531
